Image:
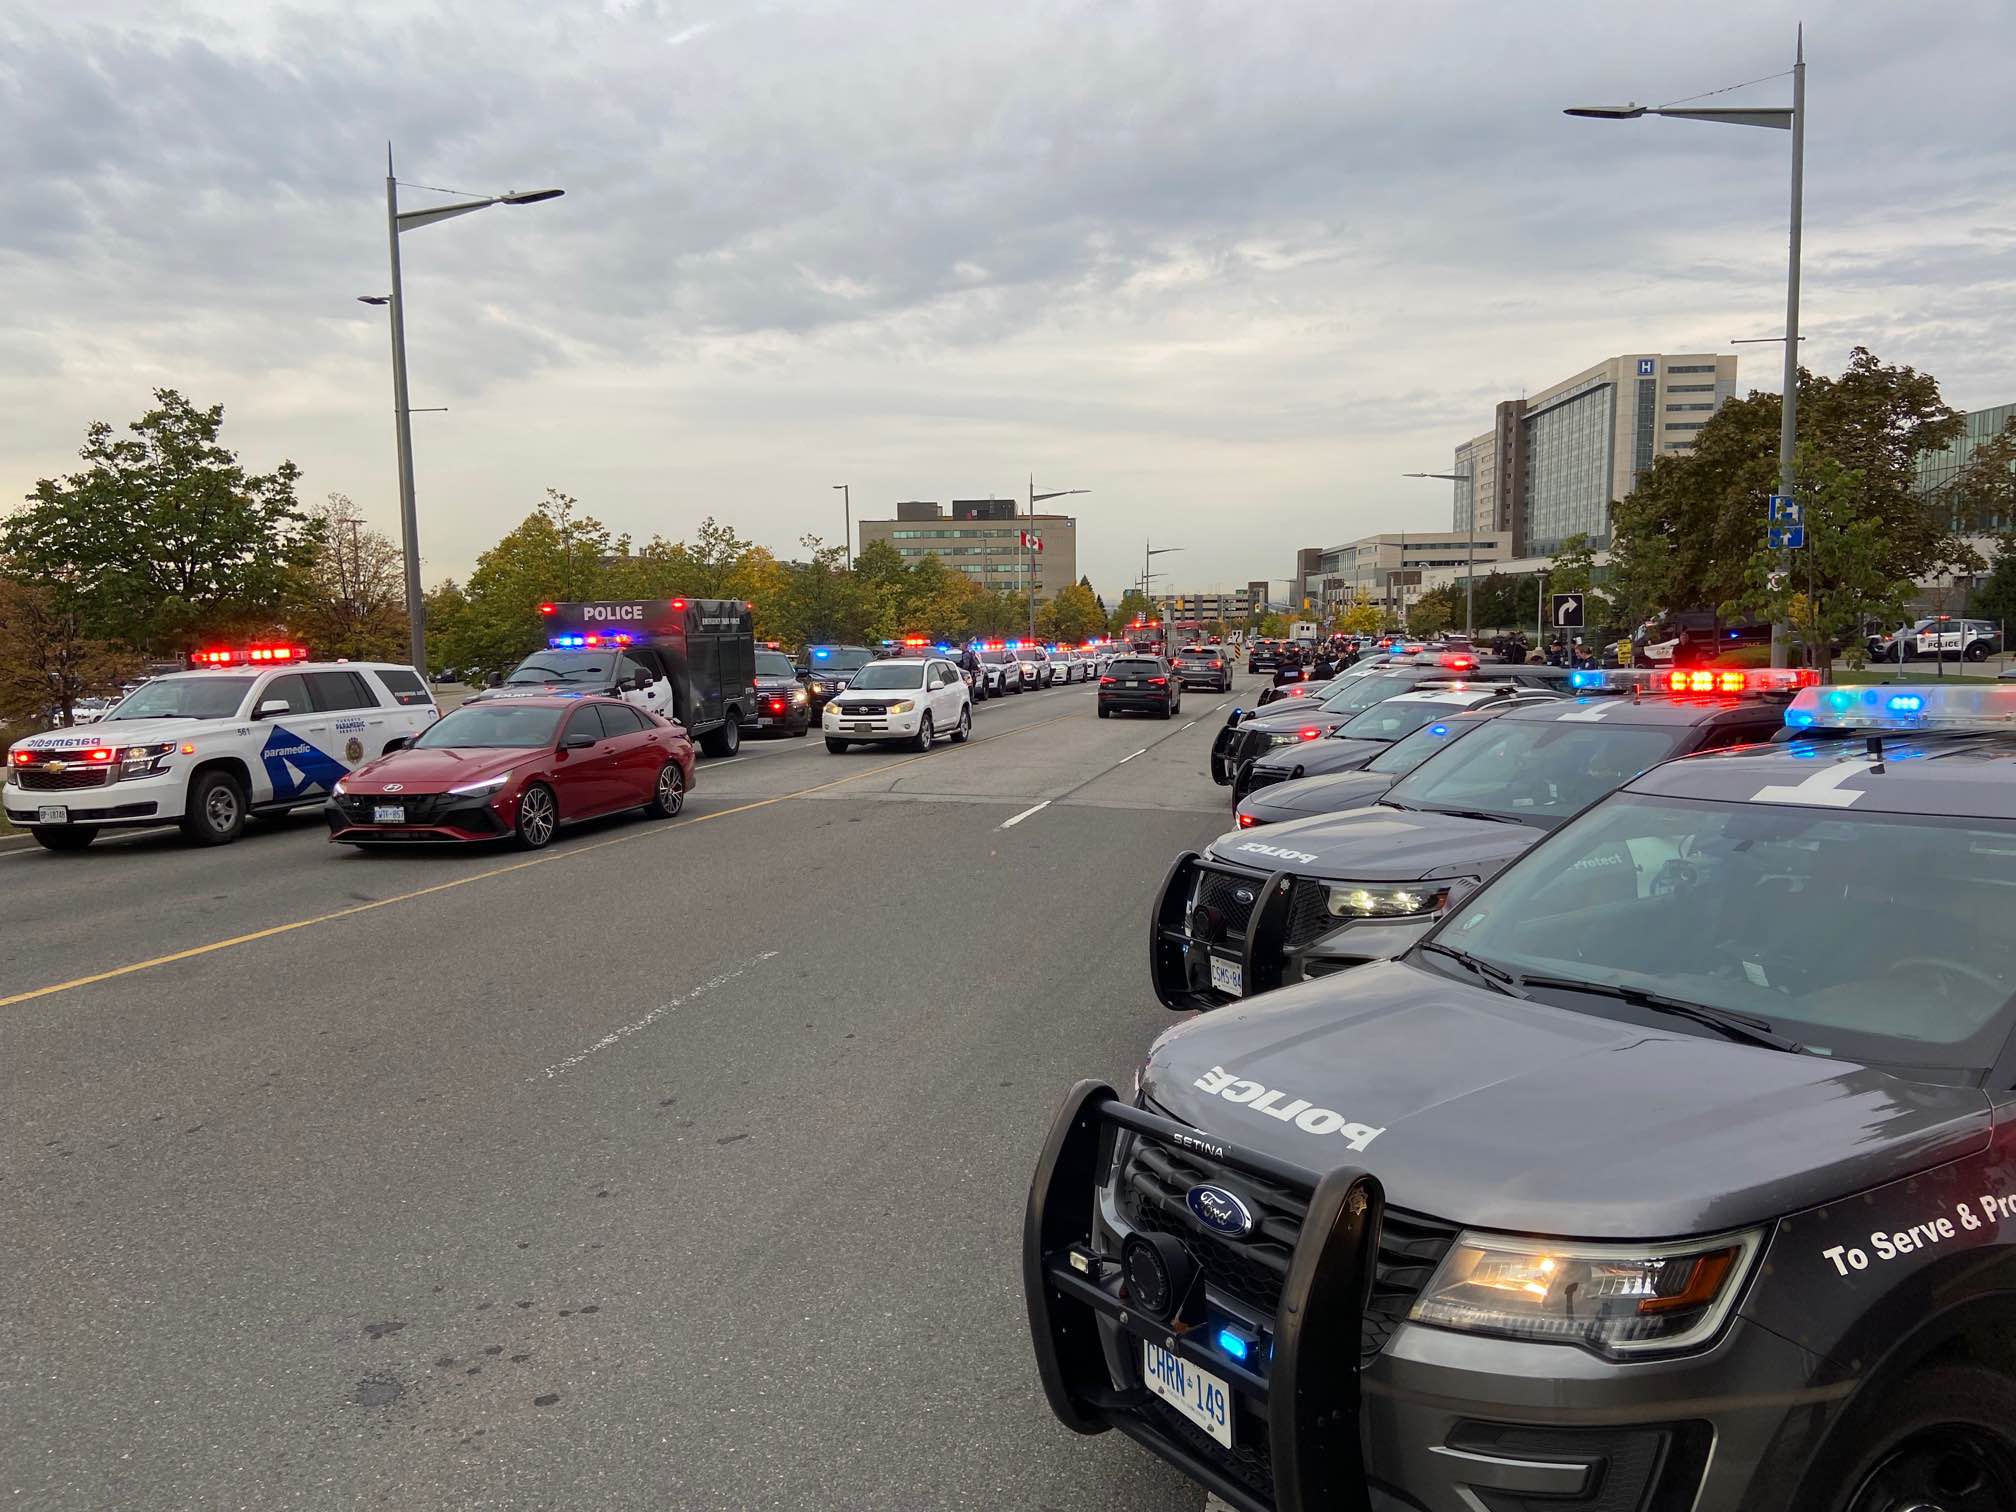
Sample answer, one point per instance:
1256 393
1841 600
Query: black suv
783 707
1672 1170
1139 685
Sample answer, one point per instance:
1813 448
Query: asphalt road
681 1165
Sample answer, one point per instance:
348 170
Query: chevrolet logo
54 766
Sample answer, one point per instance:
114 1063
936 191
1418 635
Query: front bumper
1348 1405
153 799
841 725
429 819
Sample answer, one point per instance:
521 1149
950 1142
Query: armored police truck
691 660
1674 1171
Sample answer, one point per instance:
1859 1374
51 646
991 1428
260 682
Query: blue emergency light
1236 1345
820 653
1924 706
1438 730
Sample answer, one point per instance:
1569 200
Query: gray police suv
1675 1169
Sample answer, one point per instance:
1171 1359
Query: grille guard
1179 967
1311 1401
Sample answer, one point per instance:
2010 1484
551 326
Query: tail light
1107 682
1217 666
1158 682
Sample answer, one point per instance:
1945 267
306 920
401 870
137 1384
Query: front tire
1978 651
837 747
538 818
1943 1437
669 795
64 837
726 739
214 812
964 727
925 734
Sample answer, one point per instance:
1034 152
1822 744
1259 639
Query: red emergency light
549 608
227 656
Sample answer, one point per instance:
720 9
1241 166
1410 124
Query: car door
585 778
350 720
637 755
292 762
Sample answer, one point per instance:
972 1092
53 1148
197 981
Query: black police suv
1248 735
1675 1169
1303 796
1365 734
1273 692
1139 685
782 706
1204 666
1324 894
828 670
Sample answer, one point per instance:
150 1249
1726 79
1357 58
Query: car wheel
1941 1438
214 812
1978 651
965 726
837 747
669 795
725 740
1104 712
64 837
802 731
925 734
538 817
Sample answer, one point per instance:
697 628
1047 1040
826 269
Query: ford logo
1242 895
1221 1211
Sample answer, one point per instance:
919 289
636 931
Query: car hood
1494 1112
544 690
1318 795
1293 714
436 769
776 684
875 696
1316 757
1379 844
122 732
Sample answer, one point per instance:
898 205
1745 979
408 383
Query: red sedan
517 768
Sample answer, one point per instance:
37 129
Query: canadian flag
1032 541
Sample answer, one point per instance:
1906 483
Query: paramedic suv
1672 1171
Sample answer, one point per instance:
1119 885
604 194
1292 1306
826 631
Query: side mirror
494 680
578 741
270 708
644 682
801 669
398 744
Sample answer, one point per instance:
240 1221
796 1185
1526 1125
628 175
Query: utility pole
1030 534
847 514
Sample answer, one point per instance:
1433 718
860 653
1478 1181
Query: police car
1323 894
255 729
1661 1175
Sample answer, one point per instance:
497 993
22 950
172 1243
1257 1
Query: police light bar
1695 680
232 656
583 641
1905 706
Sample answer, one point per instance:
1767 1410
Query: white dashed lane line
1129 757
1011 823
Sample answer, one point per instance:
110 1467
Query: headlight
341 786
818 687
1384 900
905 706
798 696
481 789
1616 1299
145 760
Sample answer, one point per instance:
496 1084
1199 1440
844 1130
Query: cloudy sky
1231 267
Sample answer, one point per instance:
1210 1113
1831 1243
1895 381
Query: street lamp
1034 499
1774 118
1148 554
396 221
1470 538
847 513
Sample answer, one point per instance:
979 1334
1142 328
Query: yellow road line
484 876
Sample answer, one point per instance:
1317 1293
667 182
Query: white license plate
762 720
1199 1395
388 813
1225 976
52 813
862 728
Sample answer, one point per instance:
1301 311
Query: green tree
48 658
1072 616
348 597
1362 617
163 536
1981 497
1995 597
1133 605
556 552
1435 611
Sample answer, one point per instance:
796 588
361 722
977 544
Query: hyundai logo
1221 1211
395 787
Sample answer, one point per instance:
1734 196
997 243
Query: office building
1393 570
1937 469
1196 611
983 539
1554 461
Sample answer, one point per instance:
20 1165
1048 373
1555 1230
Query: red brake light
1158 682
1216 665
679 604
1107 682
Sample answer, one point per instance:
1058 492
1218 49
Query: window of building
1685 425
1674 409
1695 368
1641 451
1690 388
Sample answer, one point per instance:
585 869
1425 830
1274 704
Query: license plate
762 720
1225 976
862 728
52 813
1199 1395
388 813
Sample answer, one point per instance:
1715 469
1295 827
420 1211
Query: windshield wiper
1726 1021
1495 976
1476 814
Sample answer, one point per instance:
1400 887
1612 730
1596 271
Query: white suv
205 749
914 699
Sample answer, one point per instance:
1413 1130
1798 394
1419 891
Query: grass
1920 672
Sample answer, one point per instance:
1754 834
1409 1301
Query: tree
1435 611
1995 598
163 536
1982 495
1685 536
348 598
555 553
1072 616
1363 617
48 661
1133 605
822 602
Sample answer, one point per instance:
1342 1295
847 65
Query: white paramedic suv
251 730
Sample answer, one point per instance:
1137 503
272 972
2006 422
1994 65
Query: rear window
774 664
1133 666
404 686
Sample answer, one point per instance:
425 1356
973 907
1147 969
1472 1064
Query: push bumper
1302 1382
1206 934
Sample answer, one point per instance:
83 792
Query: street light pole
397 221
1034 499
1470 539
1772 118
847 514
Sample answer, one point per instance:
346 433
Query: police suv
1323 894
1676 1169
256 729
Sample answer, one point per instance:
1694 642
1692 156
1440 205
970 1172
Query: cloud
1234 268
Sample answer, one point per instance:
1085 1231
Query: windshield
838 658
1395 718
184 698
995 658
1203 656
1875 937
774 664
565 666
505 724
1410 751
1122 666
890 674
1537 773
1363 692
